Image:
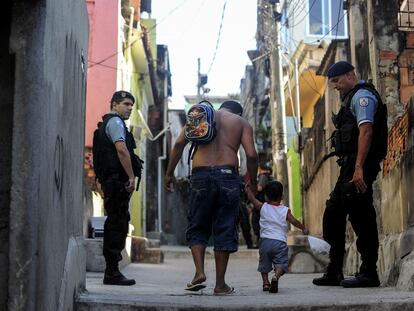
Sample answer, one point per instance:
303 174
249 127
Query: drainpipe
144 195
163 157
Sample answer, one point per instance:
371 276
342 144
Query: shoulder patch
363 101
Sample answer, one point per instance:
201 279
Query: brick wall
397 142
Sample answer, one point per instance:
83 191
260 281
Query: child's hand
305 231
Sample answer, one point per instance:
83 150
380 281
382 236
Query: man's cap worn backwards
233 106
339 68
120 95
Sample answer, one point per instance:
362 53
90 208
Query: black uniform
113 178
344 199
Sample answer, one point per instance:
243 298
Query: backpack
200 126
97 155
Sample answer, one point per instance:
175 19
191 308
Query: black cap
339 68
233 106
120 95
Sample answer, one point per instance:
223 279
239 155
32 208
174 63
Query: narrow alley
161 287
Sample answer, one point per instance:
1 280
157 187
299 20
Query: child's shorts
273 254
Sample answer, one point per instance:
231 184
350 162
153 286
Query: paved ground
161 287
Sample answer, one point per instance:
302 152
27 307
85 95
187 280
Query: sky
190 29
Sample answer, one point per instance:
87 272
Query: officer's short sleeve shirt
115 129
363 106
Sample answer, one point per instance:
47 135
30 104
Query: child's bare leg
278 273
265 278
266 283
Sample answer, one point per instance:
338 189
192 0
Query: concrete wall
6 123
49 40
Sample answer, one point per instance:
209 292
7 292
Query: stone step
95 261
140 252
114 305
161 287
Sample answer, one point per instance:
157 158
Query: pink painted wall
103 42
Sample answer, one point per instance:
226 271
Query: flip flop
195 287
227 292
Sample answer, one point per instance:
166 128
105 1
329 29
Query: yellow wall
311 88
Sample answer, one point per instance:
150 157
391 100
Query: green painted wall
295 191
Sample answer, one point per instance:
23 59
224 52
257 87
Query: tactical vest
345 137
105 157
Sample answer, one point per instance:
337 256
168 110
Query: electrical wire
133 42
307 13
119 69
218 37
333 27
339 14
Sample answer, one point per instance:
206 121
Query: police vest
345 137
105 157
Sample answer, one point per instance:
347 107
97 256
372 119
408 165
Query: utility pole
198 80
201 81
297 98
277 96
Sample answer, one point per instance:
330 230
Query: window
327 18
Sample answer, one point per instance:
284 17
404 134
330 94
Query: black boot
329 279
114 277
362 280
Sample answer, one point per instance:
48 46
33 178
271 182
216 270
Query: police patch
363 101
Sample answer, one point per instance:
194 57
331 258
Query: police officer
360 142
114 163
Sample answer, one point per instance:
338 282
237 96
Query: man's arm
175 156
364 143
256 203
125 159
251 154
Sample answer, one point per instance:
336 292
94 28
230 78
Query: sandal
274 286
266 287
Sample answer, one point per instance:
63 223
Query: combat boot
329 279
362 280
114 277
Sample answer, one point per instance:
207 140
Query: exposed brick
397 143
410 40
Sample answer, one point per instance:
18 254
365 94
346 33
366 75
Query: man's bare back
232 131
223 149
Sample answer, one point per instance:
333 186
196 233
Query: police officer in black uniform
360 142
116 167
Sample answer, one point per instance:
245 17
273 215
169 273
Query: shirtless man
215 191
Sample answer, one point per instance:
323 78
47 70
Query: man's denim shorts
214 207
273 254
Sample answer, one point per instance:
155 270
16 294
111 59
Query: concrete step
141 252
95 261
161 288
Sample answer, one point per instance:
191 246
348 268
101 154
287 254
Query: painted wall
49 40
105 45
295 195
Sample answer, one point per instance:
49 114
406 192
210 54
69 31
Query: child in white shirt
274 218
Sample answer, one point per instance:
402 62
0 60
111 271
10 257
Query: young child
274 218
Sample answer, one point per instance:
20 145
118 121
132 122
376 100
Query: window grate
406 16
